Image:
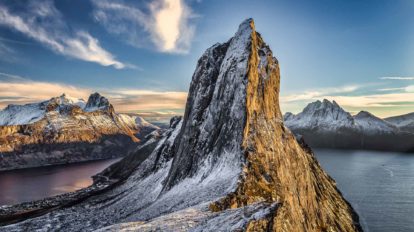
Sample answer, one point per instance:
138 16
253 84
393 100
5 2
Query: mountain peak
246 26
230 153
231 135
97 102
364 114
288 115
322 115
324 104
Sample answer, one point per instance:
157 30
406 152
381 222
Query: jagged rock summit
97 102
228 165
66 130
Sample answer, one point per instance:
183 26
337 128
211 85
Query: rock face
327 125
228 165
66 130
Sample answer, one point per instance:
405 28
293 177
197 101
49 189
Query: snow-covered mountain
33 112
319 115
65 130
369 123
403 122
228 165
326 124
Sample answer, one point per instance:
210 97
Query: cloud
131 100
15 89
397 78
7 53
356 98
165 23
408 88
319 93
18 90
391 89
375 100
42 22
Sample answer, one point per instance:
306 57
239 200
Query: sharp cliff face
229 164
65 130
325 124
277 169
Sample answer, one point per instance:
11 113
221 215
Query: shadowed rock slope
228 165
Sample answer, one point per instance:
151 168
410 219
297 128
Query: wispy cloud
6 40
392 89
319 93
165 23
130 100
355 98
42 22
409 88
19 90
397 78
375 100
15 89
7 53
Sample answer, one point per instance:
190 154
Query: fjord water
379 185
30 184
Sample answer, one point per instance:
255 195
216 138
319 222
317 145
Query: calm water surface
36 183
379 185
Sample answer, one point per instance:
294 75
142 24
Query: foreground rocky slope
228 165
66 130
325 124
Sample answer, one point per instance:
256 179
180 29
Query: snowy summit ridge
33 112
66 130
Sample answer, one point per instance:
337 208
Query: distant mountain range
325 124
66 130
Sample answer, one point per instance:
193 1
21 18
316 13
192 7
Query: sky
142 54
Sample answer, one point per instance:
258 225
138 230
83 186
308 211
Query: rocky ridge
229 164
404 122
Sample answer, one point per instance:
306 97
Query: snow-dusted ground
141 197
18 115
197 219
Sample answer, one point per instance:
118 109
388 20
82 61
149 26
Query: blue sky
141 54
